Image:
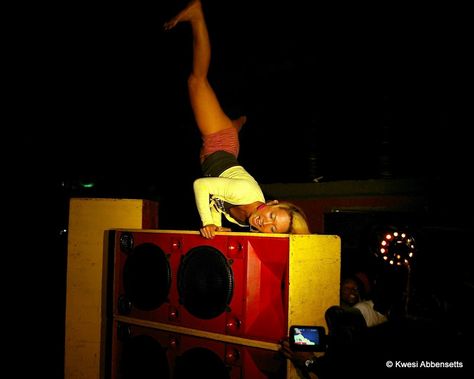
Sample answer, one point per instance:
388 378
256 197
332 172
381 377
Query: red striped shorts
226 140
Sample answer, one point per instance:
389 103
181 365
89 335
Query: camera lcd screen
307 338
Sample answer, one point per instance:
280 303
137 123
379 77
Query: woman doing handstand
226 188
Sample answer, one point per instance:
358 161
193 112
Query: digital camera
307 338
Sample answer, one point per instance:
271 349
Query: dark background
107 90
99 96
340 91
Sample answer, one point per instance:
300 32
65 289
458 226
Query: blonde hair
298 220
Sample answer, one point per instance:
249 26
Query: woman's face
270 219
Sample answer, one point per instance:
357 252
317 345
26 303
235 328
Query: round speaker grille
205 282
143 358
200 363
147 277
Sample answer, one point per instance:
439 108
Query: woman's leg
208 113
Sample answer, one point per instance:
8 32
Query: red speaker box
139 352
245 285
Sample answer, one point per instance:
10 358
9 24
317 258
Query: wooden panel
89 220
314 280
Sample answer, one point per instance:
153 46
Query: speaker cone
143 358
147 277
200 363
205 282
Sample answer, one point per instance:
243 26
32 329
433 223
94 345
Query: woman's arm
235 191
203 189
211 218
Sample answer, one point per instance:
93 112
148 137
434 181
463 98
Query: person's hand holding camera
301 359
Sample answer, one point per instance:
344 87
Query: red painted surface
258 308
242 362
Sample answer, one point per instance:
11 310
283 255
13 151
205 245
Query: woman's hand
209 231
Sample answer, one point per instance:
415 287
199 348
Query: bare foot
238 123
193 9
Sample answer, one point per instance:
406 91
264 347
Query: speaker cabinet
139 352
247 285
87 268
